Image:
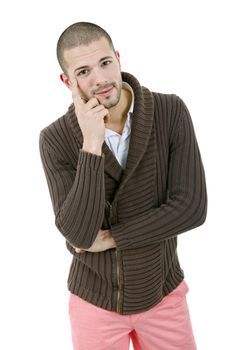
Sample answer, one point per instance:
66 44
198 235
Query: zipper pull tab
110 212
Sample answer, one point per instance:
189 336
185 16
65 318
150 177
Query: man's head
85 52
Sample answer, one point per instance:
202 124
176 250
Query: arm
78 195
186 204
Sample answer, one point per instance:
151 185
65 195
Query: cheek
85 89
86 84
113 75
115 71
117 74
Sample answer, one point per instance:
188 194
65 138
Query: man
125 178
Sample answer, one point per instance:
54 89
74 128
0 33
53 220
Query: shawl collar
142 120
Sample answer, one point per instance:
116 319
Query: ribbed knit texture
159 195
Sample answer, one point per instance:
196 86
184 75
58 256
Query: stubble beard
112 101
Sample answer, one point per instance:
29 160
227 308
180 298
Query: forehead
88 54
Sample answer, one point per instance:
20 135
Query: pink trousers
166 326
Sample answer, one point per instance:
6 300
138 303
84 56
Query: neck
119 112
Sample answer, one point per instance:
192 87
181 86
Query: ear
65 80
118 57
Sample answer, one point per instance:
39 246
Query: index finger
76 92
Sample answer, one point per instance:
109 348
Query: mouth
104 93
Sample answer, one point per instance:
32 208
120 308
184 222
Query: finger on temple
76 92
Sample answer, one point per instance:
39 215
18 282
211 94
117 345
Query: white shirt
119 144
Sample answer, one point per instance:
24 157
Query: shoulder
167 108
58 135
170 112
56 126
170 101
165 103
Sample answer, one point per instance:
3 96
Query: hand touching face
91 117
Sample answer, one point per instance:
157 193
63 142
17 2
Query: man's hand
91 118
103 241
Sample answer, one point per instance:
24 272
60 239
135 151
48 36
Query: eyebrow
84 67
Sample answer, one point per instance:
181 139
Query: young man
125 178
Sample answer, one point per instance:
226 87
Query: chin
111 102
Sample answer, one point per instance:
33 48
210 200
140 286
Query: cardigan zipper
118 282
117 263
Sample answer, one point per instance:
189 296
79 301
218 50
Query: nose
98 77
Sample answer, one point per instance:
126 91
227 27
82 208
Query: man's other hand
103 241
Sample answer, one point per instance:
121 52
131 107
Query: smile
105 92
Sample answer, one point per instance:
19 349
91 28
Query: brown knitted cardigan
159 195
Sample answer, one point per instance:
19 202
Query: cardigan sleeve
186 204
77 194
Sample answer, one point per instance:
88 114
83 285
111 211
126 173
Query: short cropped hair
80 33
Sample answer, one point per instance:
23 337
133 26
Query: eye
82 72
106 63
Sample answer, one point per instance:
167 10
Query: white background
181 47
